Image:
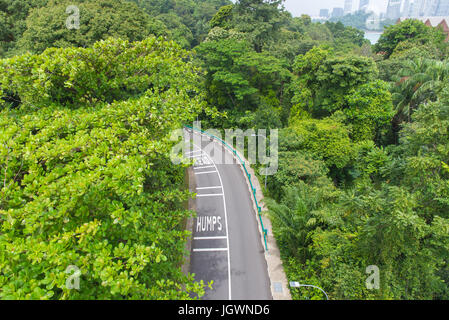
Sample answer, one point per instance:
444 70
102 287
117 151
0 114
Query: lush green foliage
363 175
248 57
188 21
409 29
86 174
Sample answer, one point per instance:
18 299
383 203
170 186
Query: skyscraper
363 5
348 6
338 12
406 9
430 7
418 8
394 9
324 13
442 8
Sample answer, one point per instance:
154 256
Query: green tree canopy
46 26
409 29
86 174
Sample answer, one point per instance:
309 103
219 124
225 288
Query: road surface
226 245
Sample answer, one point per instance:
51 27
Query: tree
409 29
324 79
86 174
326 139
222 17
261 19
188 19
346 34
369 111
424 146
420 81
238 77
99 20
13 14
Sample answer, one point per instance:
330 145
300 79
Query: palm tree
419 81
294 219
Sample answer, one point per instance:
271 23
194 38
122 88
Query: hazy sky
312 7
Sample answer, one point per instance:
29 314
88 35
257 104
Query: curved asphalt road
226 246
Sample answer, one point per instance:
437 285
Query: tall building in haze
324 13
338 12
442 8
363 5
430 7
418 8
394 9
406 9
348 6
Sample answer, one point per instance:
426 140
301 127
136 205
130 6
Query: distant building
430 7
324 13
406 8
394 9
417 9
442 8
436 22
348 7
363 5
338 12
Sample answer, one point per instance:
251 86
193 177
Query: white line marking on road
204 167
210 249
210 238
210 195
191 152
205 188
226 225
207 172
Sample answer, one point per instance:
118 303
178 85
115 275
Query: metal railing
248 175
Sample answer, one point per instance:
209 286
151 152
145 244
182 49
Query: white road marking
205 188
210 195
204 167
191 152
207 172
210 238
210 249
226 225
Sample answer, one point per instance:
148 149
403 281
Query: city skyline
392 9
313 8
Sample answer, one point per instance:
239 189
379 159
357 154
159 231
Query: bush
89 183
